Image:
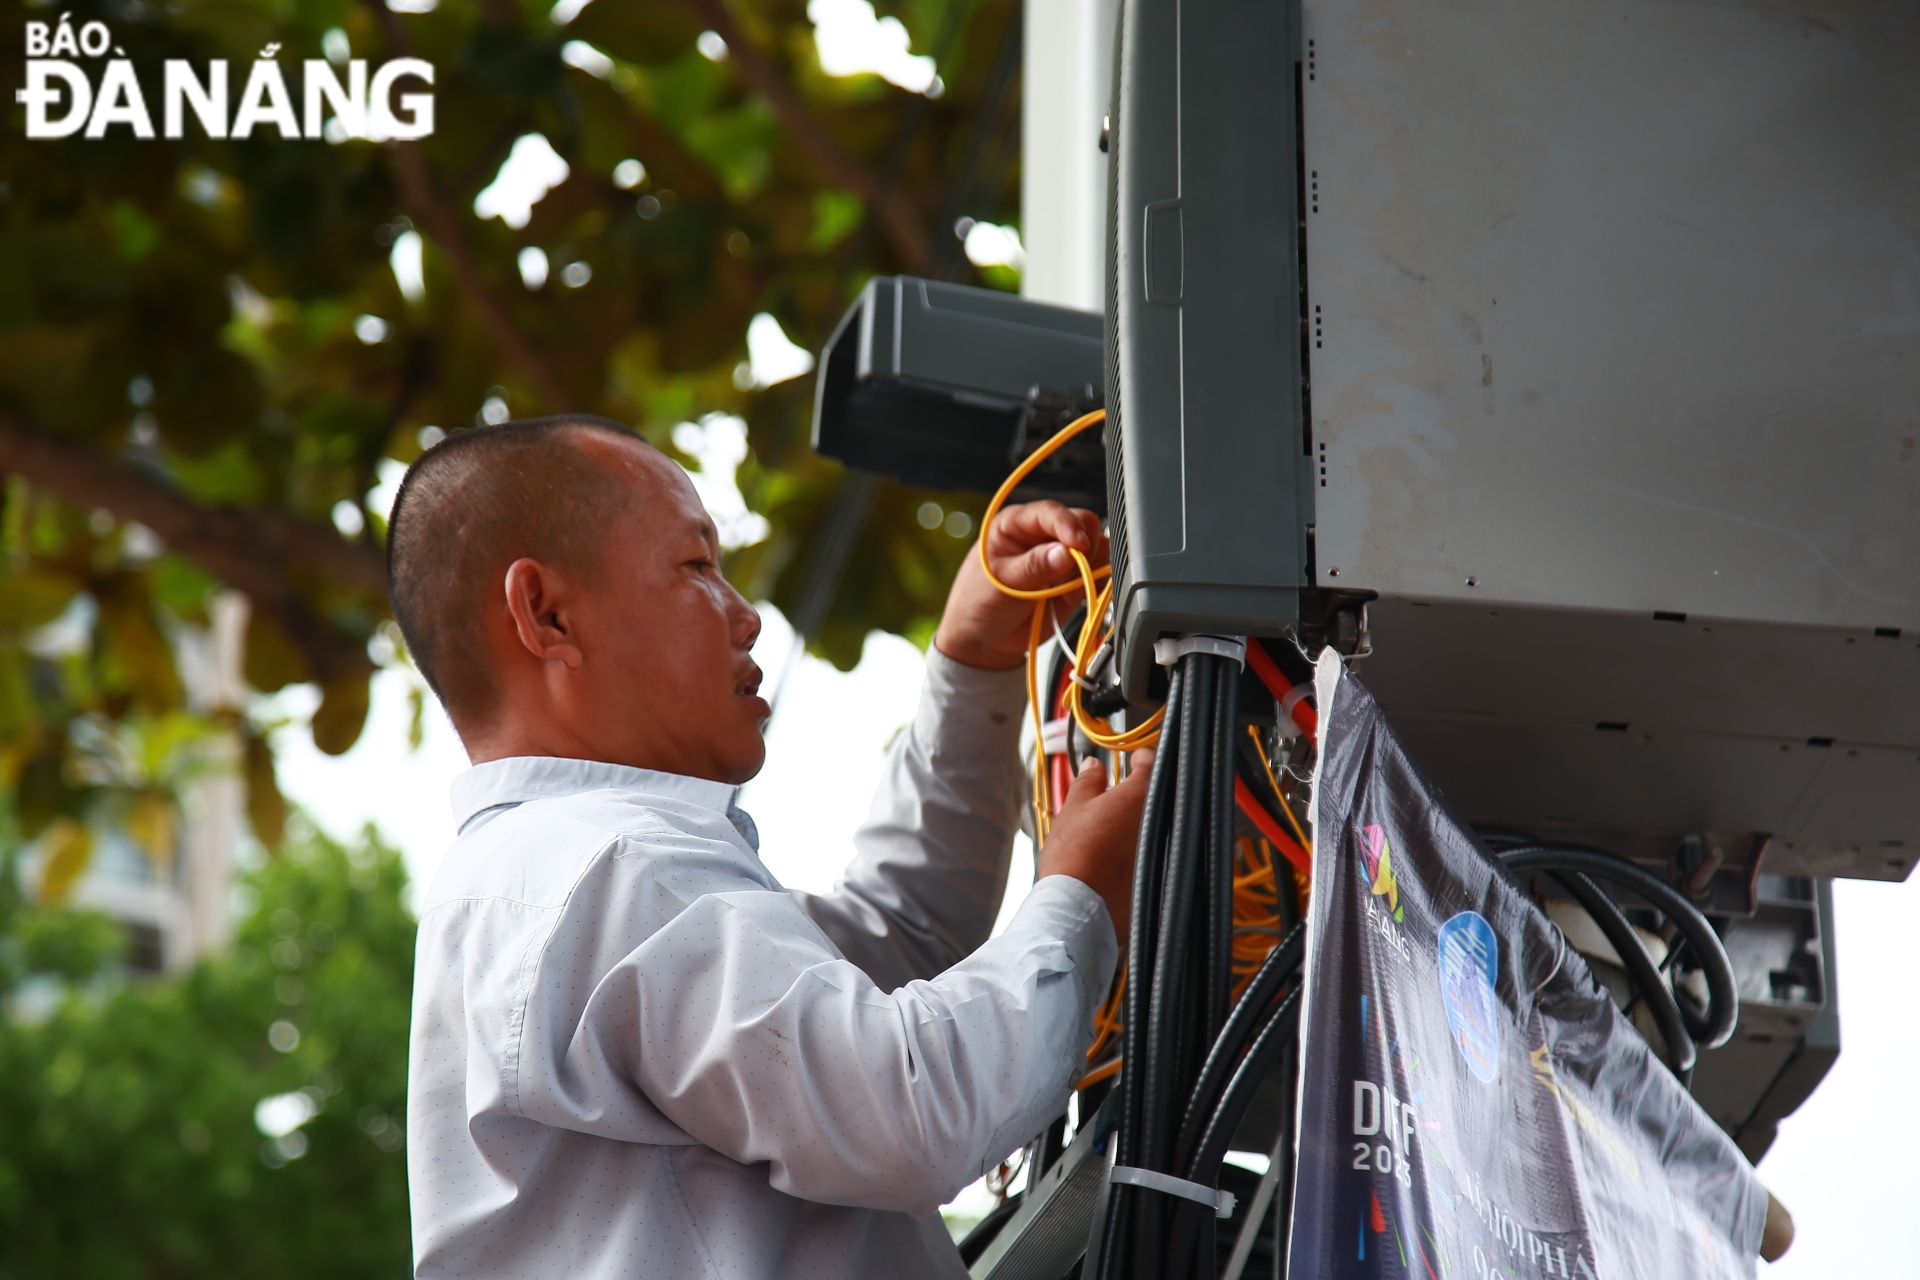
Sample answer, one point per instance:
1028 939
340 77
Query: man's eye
702 565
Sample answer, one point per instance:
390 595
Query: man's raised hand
1027 547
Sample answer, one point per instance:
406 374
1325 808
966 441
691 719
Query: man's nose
746 618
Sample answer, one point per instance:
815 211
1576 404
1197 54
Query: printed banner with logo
1472 1104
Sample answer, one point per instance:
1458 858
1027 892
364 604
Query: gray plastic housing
1207 462
927 381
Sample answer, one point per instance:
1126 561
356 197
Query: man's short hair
469 507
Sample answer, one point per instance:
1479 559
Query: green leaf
42 794
271 661
341 713
416 717
19 712
149 821
34 597
134 232
69 945
66 849
642 33
835 215
183 588
266 807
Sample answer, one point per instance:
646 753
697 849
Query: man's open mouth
750 686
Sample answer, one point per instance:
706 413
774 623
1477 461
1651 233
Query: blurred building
178 910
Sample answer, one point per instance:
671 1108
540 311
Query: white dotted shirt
634 1054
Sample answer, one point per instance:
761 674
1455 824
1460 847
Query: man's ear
540 605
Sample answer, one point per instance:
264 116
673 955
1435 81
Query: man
633 1053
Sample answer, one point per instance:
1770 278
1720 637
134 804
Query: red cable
1286 844
1279 686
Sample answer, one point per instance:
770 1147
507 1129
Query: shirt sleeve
737 1021
930 864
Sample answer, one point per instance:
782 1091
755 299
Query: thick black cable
1168 998
1148 859
1220 854
1647 979
1195 1027
1723 1007
1276 1032
1190 1224
1192 1234
1149 856
1281 964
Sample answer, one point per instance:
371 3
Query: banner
1472 1104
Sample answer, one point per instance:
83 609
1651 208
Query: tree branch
251 551
899 219
426 201
670 163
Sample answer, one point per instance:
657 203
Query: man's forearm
931 861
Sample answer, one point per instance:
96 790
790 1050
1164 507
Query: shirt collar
503 783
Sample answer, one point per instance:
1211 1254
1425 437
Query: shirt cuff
971 708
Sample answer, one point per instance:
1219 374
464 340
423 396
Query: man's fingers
1041 567
1139 767
1096 547
1089 780
1027 546
1023 526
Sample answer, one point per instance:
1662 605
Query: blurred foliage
192 396
128 1105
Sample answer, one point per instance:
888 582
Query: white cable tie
1170 649
1294 697
1221 1202
1053 737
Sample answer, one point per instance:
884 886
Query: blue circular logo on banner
1469 966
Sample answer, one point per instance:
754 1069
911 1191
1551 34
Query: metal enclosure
1615 387
1207 472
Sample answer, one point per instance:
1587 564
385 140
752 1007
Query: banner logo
78 81
1469 967
1376 856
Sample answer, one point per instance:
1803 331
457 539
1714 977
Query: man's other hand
1095 834
1027 547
